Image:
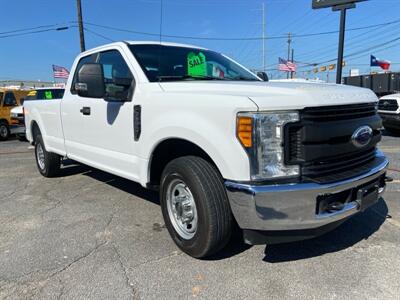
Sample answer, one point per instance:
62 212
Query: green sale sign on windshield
196 64
48 95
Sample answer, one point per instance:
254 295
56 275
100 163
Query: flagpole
54 77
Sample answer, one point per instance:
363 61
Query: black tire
214 218
392 130
4 131
21 138
50 162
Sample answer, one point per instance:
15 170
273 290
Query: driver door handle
85 110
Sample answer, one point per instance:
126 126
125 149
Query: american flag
60 72
286 66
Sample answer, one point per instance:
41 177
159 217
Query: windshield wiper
184 77
242 78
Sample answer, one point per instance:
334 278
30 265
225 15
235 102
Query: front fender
217 140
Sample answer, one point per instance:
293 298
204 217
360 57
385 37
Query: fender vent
137 121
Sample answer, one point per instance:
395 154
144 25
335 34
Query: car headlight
261 134
14 115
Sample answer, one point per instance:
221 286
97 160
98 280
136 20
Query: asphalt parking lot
91 235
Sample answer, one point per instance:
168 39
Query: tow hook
335 206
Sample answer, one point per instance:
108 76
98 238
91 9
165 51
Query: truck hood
277 95
17 110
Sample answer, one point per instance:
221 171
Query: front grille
348 165
321 142
339 112
388 105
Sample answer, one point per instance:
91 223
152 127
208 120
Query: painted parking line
14 152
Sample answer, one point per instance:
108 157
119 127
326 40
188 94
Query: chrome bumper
293 206
17 129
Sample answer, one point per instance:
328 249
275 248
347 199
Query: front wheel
4 131
195 206
48 163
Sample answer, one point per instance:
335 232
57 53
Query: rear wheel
4 131
48 163
195 206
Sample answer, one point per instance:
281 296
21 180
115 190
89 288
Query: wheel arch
35 130
169 149
4 121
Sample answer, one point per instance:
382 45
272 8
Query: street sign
329 3
354 72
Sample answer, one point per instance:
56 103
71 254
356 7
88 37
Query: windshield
171 63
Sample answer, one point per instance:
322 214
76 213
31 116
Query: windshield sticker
48 95
196 64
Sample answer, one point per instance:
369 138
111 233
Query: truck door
72 118
108 125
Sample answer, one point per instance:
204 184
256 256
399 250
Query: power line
238 38
357 54
98 34
352 41
356 46
29 28
37 31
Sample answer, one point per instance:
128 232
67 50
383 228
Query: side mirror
90 81
263 76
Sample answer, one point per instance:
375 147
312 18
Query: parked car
283 160
9 98
389 110
17 117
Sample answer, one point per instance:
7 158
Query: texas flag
376 62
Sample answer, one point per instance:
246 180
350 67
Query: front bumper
295 207
17 129
390 120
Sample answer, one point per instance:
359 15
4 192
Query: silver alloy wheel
40 156
181 209
3 131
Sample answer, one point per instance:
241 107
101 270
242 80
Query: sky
207 23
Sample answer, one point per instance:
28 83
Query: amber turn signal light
244 128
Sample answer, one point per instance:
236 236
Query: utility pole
80 23
263 36
289 41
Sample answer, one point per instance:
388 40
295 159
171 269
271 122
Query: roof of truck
162 43
105 46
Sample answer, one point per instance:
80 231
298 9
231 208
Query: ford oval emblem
362 136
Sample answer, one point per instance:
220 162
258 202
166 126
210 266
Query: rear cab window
45 94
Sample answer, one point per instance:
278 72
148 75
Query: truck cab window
118 78
9 99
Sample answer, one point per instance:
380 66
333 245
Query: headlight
14 115
261 134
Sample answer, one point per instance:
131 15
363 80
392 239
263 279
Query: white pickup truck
281 161
389 110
